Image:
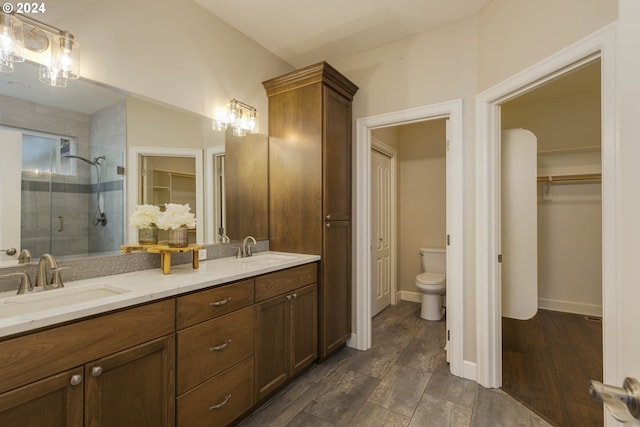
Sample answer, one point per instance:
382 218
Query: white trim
362 234
470 370
209 191
410 296
489 338
383 148
570 307
132 179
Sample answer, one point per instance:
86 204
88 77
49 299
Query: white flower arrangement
145 216
176 216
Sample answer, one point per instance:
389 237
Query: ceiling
303 32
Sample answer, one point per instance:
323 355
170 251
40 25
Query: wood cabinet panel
220 400
335 287
50 402
206 349
336 157
133 388
32 357
204 305
281 282
304 328
272 345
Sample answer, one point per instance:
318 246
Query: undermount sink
17 305
267 259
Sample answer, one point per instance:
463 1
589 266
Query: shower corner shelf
165 252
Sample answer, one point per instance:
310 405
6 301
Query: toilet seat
431 279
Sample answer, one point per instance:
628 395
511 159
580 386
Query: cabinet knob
289 297
328 225
96 371
294 295
328 216
76 379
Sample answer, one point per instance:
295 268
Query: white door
380 230
519 224
10 182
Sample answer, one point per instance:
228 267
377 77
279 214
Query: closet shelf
570 178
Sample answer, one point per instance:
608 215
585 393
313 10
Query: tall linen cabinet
310 130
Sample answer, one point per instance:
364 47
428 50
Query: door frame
361 336
388 151
600 44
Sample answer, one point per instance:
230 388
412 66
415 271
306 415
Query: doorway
361 337
599 45
550 353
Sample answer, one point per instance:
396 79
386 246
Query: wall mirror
91 126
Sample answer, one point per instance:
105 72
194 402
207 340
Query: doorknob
622 402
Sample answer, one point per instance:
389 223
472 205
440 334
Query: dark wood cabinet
111 370
133 388
310 128
51 402
286 316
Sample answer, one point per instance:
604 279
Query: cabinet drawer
211 347
220 400
284 281
205 305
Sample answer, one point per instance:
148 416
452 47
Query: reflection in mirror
166 175
168 180
245 186
62 204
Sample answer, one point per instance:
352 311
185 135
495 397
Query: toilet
432 282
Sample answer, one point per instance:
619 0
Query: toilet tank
434 260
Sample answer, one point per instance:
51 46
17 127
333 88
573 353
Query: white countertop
142 287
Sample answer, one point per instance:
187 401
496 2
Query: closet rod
569 178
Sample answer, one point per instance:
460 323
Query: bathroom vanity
197 347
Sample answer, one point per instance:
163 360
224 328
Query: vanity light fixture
61 50
243 118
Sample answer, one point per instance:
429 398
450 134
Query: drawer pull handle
221 404
220 347
219 303
76 379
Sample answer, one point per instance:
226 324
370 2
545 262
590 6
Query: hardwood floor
547 362
403 381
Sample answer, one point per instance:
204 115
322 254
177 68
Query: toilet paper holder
622 402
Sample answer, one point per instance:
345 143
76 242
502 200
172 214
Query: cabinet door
336 154
335 287
304 327
55 401
272 345
133 388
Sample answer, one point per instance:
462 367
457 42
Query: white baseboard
469 370
410 296
570 307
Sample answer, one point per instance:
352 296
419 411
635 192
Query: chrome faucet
47 262
246 248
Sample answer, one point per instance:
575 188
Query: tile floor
403 380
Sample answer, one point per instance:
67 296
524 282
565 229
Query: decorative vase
178 238
148 236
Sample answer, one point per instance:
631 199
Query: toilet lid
431 278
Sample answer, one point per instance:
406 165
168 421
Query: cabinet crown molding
321 72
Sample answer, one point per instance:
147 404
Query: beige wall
457 61
174 52
421 195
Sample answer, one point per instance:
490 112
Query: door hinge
500 258
448 335
448 240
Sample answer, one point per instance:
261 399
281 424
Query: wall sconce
241 117
19 32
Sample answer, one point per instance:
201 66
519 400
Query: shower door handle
60 223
